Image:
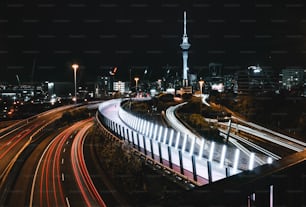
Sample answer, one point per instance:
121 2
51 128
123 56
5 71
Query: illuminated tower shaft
185 46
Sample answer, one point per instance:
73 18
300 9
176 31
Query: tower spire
185 24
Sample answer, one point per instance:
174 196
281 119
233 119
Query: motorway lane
90 193
264 142
61 177
22 184
16 139
218 148
275 142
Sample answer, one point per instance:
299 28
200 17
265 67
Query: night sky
51 35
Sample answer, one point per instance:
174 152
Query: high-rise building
104 86
256 80
215 69
120 86
291 77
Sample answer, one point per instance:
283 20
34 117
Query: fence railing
171 148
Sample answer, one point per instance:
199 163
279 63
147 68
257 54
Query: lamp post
159 81
201 82
136 80
75 67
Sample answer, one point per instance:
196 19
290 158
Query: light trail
277 134
283 141
48 180
249 143
90 193
157 147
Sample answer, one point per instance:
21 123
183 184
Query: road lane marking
63 177
62 161
64 150
67 201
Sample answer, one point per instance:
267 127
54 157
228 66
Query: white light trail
67 202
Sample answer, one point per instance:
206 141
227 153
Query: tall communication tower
185 46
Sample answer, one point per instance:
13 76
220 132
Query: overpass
181 154
281 183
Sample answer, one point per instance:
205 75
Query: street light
75 67
136 80
201 82
159 81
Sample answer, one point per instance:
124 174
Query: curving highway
61 177
44 166
16 138
266 135
178 125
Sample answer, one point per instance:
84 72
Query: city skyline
50 37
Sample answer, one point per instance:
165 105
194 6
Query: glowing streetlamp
201 82
75 67
159 83
136 79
